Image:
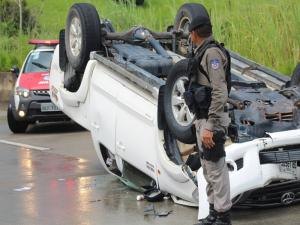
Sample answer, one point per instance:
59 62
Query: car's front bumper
32 107
278 193
261 168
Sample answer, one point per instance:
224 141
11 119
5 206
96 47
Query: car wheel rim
180 110
75 36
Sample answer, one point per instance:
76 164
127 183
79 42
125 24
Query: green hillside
266 31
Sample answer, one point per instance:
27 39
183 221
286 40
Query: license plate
49 107
288 167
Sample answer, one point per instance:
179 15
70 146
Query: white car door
103 106
135 130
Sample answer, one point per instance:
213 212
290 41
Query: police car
31 102
127 89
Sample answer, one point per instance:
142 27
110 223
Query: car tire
63 59
72 79
184 16
14 125
186 13
161 119
178 117
82 34
295 79
172 148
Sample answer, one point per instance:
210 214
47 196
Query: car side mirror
15 70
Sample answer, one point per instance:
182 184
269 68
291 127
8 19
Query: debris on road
98 200
150 210
140 197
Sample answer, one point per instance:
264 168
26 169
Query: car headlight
22 92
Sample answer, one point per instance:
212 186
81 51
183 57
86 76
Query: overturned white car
127 90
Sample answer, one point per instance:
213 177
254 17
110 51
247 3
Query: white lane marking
24 145
23 189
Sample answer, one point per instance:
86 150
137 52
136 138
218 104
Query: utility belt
198 99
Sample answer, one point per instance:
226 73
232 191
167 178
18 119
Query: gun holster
198 99
218 151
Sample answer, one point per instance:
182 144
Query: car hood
34 81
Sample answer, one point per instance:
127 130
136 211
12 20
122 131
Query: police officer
211 130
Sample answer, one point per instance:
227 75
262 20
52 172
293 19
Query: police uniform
215 172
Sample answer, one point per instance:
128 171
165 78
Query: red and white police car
30 102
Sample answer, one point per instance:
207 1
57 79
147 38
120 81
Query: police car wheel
14 125
295 79
182 20
179 118
82 34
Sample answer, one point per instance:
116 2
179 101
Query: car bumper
273 195
261 169
32 108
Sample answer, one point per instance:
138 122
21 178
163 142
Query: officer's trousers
217 177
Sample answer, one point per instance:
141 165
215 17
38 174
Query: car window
38 62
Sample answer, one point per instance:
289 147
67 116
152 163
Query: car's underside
256 109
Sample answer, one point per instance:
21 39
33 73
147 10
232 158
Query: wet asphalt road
58 180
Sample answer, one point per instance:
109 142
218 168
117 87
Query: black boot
211 218
223 218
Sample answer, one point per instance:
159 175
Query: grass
266 31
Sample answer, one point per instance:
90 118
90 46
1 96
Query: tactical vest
195 62
198 97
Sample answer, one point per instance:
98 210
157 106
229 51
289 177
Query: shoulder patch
215 64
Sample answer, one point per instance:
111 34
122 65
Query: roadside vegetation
266 31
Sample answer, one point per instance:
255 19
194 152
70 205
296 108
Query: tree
19 2
15 16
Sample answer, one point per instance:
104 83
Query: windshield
38 62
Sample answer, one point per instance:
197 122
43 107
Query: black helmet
199 21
